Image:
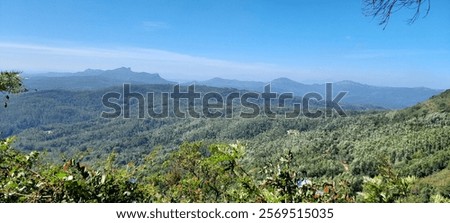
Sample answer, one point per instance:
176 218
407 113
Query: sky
310 41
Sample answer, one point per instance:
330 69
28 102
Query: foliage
17 178
23 179
10 82
283 184
387 187
192 173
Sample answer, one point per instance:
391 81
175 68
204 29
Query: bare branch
383 9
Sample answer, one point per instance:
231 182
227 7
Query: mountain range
357 93
91 79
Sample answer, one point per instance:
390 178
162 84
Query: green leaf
61 175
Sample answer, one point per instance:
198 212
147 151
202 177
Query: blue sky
305 40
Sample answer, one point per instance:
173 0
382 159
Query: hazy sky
305 40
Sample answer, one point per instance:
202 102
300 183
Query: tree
387 187
383 9
10 82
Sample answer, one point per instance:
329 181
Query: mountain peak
348 82
217 79
91 70
283 79
126 70
123 69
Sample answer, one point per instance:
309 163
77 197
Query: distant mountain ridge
91 79
228 83
358 94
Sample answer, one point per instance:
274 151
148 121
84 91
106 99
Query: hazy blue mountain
87 72
357 93
91 79
241 85
389 97
283 84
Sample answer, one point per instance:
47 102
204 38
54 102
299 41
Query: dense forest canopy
84 158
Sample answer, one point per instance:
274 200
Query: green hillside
384 156
437 103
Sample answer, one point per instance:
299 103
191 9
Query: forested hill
46 107
437 103
381 156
